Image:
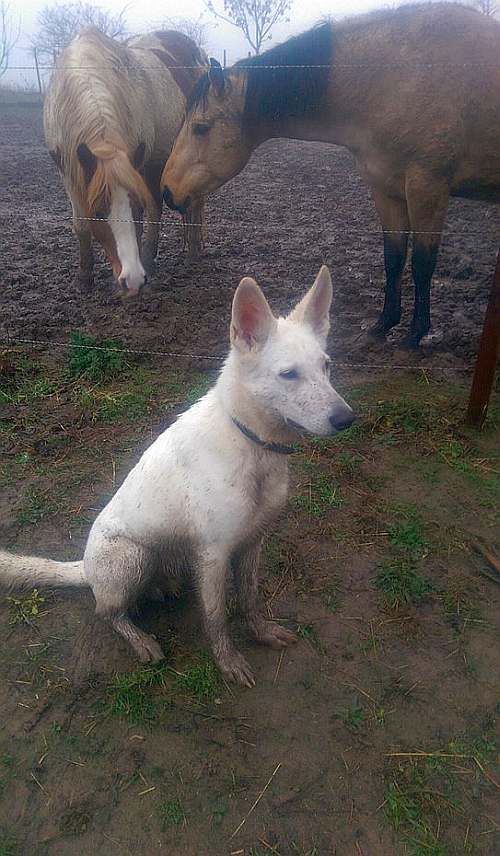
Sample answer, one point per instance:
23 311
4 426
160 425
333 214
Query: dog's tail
22 571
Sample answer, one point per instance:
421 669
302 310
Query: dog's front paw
271 633
235 668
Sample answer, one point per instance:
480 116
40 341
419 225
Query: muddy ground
375 735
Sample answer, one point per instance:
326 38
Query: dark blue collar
279 448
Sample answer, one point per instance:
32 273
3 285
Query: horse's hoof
149 267
84 284
377 331
411 342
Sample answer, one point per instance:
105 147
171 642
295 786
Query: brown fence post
489 347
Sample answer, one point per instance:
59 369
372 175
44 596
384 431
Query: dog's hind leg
119 571
262 629
213 569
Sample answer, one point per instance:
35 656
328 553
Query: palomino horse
110 116
413 93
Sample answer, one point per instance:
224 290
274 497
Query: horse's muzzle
169 200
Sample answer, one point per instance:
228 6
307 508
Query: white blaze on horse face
120 220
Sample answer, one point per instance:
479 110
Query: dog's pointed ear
314 308
252 320
216 76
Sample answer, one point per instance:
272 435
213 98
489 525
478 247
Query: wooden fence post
38 72
489 347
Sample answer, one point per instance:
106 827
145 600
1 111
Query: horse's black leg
395 250
427 196
423 263
394 218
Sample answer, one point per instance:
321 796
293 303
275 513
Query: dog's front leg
213 568
247 584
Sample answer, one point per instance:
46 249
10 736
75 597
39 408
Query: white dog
202 495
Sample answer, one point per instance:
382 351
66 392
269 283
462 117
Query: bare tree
195 28
255 18
10 31
487 7
60 23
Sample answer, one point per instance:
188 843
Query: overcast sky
142 15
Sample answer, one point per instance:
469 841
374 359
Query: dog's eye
327 366
200 129
291 374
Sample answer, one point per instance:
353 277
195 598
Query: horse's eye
291 374
200 129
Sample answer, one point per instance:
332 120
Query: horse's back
428 89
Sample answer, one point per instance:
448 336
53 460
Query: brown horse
111 115
414 93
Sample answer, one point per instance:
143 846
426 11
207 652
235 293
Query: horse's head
116 198
211 146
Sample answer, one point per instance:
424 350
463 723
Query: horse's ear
138 159
252 320
87 160
216 76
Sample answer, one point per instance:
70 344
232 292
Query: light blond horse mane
90 100
113 170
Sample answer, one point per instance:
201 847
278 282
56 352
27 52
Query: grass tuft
95 365
200 680
24 610
172 814
400 583
130 696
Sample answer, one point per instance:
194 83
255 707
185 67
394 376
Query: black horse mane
278 90
289 81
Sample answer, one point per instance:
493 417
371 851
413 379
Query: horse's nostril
168 198
340 421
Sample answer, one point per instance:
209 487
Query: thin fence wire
50 218
12 341
250 67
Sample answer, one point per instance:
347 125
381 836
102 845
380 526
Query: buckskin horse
413 93
110 117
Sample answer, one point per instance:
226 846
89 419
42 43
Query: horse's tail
23 571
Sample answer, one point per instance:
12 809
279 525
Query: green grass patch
413 811
103 405
319 495
353 717
201 383
407 532
132 696
331 594
172 814
201 679
86 360
8 844
425 797
36 507
25 610
400 583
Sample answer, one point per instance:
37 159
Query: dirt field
377 734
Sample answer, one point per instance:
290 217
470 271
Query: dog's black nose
339 421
